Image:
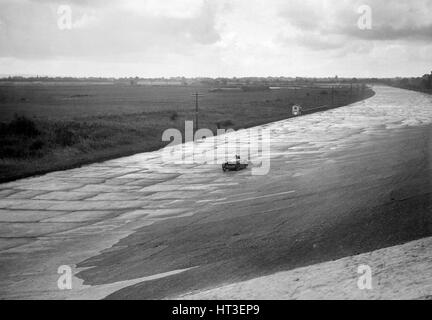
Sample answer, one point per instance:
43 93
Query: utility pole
196 95
332 96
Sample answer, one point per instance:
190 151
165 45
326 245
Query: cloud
31 29
390 33
215 37
326 24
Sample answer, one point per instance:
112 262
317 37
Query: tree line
423 83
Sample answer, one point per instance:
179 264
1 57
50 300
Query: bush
174 116
11 152
64 136
37 145
15 147
22 125
224 123
4 128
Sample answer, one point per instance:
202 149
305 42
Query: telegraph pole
196 95
332 96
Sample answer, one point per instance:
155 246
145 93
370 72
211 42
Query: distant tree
430 81
404 82
426 82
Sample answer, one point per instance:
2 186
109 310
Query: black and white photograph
215 150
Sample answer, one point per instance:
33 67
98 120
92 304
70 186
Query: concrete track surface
342 184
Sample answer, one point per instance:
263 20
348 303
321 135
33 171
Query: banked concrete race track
346 187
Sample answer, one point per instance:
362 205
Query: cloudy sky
151 38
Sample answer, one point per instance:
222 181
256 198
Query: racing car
234 165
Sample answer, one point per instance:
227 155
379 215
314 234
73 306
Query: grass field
52 127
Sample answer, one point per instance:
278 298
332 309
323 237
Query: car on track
234 165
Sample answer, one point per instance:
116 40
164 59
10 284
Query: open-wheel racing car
234 165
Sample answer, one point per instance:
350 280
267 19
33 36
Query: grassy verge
31 146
